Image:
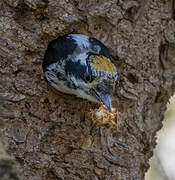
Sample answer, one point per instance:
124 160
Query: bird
80 65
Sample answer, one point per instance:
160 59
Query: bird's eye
88 78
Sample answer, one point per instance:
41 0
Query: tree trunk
49 133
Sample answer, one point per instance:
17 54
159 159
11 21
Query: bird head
80 65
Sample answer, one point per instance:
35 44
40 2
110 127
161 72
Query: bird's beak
104 98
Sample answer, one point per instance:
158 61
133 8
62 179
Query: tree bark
49 133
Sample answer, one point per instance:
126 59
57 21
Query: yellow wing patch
102 63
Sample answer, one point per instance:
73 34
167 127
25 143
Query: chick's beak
104 98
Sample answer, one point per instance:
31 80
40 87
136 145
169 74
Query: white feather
60 86
82 41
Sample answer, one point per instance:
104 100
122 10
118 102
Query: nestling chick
80 65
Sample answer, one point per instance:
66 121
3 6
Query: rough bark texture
49 133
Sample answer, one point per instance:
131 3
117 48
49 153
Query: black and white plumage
80 65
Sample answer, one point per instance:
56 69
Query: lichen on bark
49 133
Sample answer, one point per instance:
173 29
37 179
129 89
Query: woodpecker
80 65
